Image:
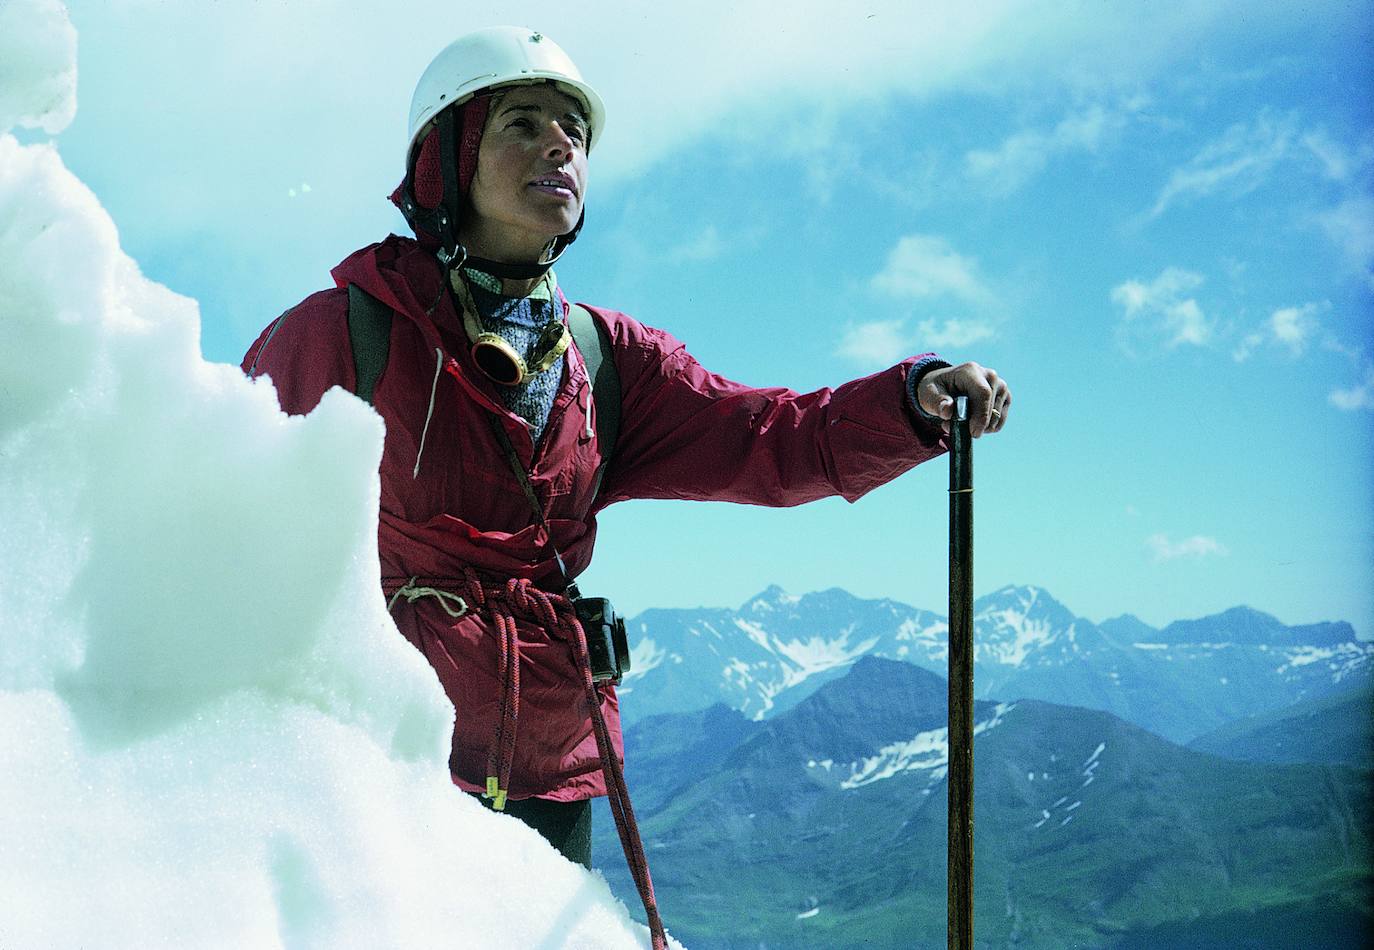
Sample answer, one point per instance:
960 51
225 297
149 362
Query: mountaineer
513 417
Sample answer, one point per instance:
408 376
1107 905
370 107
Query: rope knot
412 591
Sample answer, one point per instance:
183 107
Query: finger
999 419
1001 406
981 407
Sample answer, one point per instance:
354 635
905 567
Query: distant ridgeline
806 807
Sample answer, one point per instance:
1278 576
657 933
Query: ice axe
959 870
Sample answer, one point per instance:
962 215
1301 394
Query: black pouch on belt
607 645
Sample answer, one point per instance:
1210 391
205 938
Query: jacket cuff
913 379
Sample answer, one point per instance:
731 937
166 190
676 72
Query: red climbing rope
516 599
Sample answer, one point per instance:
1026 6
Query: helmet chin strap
507 270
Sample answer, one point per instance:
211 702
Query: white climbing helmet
498 56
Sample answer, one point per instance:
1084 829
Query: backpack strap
594 343
369 331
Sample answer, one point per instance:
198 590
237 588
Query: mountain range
1180 682
823 824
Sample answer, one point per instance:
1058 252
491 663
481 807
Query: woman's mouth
555 184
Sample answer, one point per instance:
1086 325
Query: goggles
495 357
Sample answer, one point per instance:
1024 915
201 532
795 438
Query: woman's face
531 174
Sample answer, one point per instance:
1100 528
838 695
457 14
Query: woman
492 457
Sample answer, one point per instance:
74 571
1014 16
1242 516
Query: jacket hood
400 272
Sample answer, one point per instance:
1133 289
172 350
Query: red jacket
684 433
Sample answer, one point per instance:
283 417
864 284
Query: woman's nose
557 144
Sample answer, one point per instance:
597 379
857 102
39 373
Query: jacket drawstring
412 592
429 413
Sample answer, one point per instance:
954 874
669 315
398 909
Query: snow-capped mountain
1179 682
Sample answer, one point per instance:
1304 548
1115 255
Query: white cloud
1247 346
1161 308
707 245
1359 396
923 265
1289 327
1197 546
1336 161
1237 162
1293 326
1023 155
879 342
952 332
1350 226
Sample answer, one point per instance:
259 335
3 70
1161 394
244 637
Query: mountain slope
826 827
1332 729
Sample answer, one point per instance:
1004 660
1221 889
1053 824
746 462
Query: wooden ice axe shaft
959 874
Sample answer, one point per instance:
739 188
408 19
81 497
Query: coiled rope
503 604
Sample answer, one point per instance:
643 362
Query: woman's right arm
305 351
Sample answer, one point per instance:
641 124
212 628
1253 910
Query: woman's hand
989 398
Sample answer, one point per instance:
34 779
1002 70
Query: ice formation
214 737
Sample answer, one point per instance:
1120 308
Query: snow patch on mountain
1016 628
910 629
645 655
1062 807
756 634
770 600
926 751
1090 766
816 654
1341 660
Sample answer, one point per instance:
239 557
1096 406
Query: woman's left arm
691 434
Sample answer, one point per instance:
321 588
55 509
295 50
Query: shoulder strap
369 331
594 343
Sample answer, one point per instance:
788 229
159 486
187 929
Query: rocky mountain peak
768 600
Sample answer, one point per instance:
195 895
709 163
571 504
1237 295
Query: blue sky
1157 223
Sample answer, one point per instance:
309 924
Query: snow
645 655
1089 769
755 633
1090 766
818 654
926 751
1015 635
214 734
910 629
1350 656
1092 759
37 66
